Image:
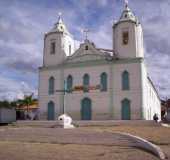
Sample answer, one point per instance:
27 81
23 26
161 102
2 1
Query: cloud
11 89
159 72
154 19
24 57
23 28
102 36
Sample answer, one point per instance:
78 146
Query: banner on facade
81 88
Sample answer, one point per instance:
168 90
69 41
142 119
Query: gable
86 57
87 52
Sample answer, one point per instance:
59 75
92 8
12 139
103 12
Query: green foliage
13 104
27 101
5 104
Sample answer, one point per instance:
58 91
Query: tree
27 101
13 104
4 104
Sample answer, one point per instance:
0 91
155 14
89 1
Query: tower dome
128 15
60 26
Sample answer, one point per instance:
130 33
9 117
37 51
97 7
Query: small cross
59 17
126 3
59 14
86 31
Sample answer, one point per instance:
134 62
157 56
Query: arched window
125 80
69 83
103 82
125 37
52 48
86 47
51 85
86 82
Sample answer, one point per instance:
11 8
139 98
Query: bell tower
58 43
128 35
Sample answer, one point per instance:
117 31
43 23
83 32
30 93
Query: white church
90 83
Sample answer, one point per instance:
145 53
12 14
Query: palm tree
27 101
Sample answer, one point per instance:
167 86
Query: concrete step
89 123
116 123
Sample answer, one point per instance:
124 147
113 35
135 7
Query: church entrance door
51 111
126 110
86 109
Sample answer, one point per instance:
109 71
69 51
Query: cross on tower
126 3
59 14
86 31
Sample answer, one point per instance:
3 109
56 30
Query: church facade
97 84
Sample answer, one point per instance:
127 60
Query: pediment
87 52
85 57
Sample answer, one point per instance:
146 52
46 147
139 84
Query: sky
23 24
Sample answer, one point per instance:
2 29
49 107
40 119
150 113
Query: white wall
53 59
44 97
103 103
100 101
134 48
134 94
62 43
68 41
152 103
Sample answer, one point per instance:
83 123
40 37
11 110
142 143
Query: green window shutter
51 85
86 82
125 81
126 109
86 109
69 83
103 82
51 111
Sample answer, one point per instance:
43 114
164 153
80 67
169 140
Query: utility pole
64 101
64 94
76 88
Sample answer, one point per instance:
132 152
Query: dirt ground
156 134
27 143
47 151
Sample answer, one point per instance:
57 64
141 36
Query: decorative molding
92 63
85 57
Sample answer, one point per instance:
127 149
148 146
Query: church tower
128 35
58 43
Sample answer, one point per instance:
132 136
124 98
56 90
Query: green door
126 109
51 111
86 109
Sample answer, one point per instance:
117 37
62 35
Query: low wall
145 145
7 115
